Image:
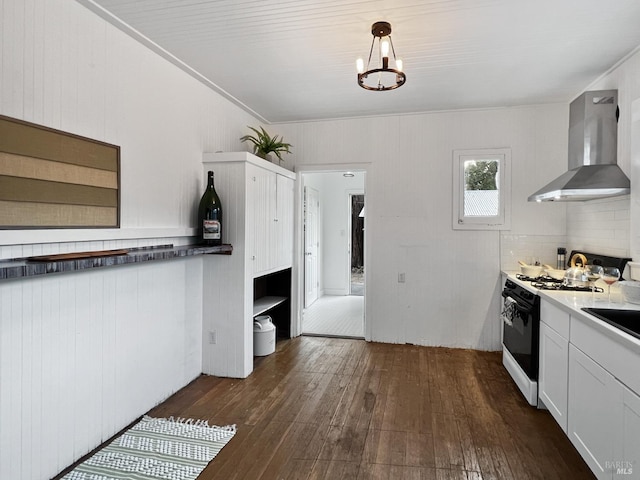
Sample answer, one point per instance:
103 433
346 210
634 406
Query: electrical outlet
213 337
401 278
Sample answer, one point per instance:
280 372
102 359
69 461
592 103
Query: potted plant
264 144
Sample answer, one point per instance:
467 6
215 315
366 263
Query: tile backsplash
600 226
525 247
595 226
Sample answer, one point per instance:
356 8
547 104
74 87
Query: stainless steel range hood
593 143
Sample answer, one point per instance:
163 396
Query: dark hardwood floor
323 408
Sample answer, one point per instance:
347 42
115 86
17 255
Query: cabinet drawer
555 317
613 355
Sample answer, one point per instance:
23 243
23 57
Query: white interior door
311 227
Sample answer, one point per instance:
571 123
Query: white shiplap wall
64 67
82 355
451 294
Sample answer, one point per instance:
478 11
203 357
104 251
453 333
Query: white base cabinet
604 419
554 373
257 202
595 398
627 453
588 380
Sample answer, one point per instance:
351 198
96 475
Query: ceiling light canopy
381 78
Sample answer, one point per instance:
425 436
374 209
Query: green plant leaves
263 143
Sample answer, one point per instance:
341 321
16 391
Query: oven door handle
520 308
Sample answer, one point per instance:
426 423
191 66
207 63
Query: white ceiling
294 60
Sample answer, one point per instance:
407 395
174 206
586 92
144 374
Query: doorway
356 246
333 231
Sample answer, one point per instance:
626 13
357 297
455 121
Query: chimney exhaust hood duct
593 144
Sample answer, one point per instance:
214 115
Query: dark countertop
35 266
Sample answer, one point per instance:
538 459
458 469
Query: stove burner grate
544 282
541 278
541 285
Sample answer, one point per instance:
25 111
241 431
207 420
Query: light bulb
360 65
399 64
384 48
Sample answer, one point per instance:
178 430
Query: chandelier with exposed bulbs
381 77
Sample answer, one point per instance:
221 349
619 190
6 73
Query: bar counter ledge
77 261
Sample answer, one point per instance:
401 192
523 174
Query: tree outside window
480 175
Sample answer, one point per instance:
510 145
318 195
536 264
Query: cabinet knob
253 257
275 219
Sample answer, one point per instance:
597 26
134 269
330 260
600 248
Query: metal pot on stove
576 275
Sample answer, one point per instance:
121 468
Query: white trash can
264 336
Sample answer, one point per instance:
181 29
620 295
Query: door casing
297 300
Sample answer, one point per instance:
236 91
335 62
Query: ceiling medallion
381 78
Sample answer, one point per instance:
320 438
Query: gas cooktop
544 282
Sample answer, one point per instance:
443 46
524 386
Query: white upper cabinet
270 216
284 221
261 187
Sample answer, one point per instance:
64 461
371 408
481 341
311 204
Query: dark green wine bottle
210 215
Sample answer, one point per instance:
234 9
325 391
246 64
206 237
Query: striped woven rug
156 448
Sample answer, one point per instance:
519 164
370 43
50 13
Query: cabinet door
627 459
593 412
284 222
261 209
554 369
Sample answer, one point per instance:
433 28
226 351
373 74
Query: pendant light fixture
381 78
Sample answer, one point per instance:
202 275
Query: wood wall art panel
54 179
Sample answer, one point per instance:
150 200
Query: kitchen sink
626 320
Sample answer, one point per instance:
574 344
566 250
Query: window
481 189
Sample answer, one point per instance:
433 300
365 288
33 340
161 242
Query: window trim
502 221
